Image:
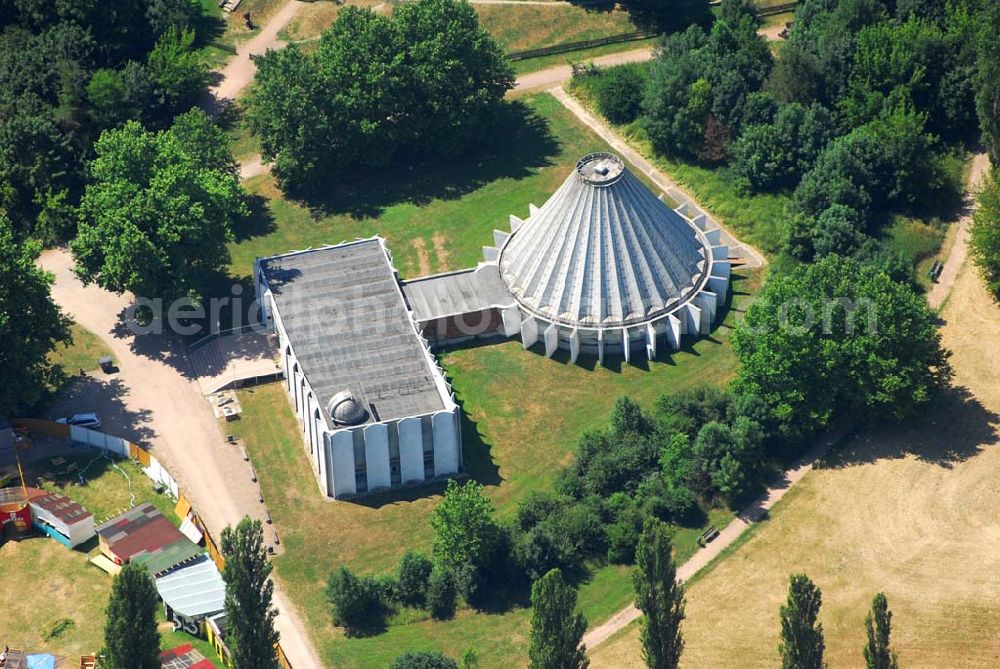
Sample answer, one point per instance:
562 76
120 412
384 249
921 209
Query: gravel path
959 250
240 70
166 403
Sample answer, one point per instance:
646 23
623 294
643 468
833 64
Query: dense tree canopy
985 233
836 336
29 321
69 70
160 208
701 84
426 80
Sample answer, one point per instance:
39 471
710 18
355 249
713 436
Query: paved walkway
959 250
750 515
155 395
751 256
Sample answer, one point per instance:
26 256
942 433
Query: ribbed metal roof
603 251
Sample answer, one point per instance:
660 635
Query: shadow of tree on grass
519 143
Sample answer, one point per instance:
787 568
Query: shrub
441 593
357 602
423 660
411 581
619 92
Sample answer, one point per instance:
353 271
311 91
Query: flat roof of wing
350 329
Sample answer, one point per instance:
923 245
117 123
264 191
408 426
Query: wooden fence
577 46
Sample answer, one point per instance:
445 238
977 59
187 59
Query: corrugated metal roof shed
195 590
144 535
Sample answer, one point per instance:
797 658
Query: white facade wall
447 443
377 456
411 450
342 464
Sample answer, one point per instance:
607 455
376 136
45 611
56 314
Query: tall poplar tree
801 636
131 640
250 633
660 597
878 654
556 627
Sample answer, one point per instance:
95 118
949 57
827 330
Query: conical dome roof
603 251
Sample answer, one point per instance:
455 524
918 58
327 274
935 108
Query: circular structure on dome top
344 409
600 169
604 252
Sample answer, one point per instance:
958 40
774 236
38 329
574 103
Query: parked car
91 421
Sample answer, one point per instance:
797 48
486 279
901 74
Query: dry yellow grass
533 26
312 19
911 511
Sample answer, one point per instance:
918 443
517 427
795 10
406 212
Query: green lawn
523 415
81 353
523 412
435 217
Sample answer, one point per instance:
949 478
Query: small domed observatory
604 266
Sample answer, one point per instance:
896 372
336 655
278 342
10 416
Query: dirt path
751 256
730 534
553 76
959 250
182 432
240 70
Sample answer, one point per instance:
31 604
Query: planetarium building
604 267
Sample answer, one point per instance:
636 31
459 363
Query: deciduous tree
159 210
131 638
660 598
250 633
29 321
878 623
556 627
985 233
838 336
802 642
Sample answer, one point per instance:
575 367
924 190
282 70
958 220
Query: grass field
82 353
437 217
311 20
523 412
534 26
45 586
507 394
581 56
909 510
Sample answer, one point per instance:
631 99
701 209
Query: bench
935 270
708 536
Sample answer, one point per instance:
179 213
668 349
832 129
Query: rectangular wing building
375 409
